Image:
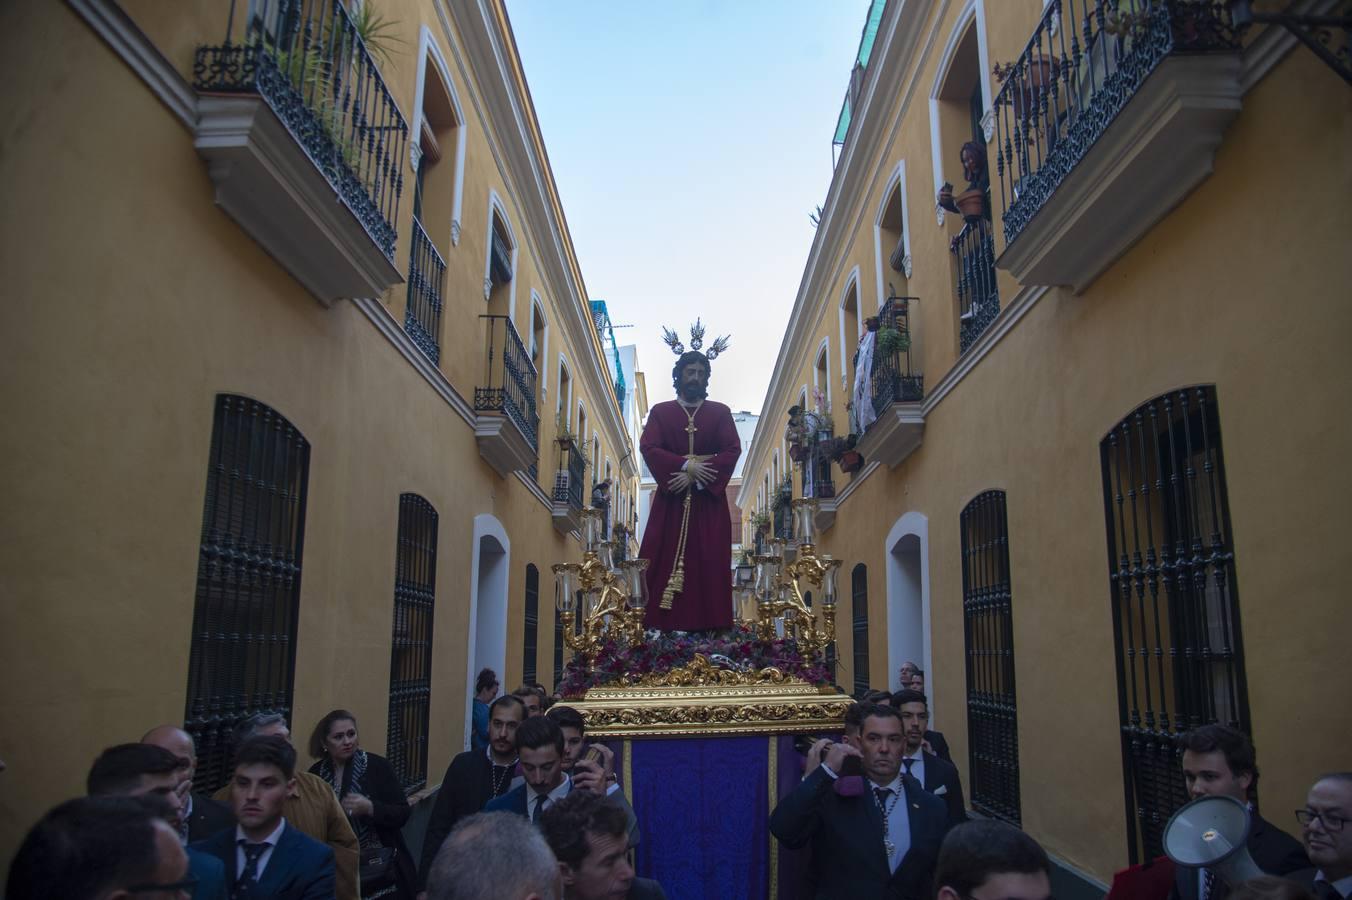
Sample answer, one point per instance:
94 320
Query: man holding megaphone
1219 762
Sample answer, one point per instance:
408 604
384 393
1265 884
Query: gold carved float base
702 700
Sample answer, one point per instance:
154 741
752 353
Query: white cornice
897 36
379 316
512 147
145 59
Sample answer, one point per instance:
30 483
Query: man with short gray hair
312 810
494 856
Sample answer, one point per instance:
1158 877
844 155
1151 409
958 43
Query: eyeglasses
1331 822
186 886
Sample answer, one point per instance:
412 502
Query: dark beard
692 392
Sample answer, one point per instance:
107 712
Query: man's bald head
176 741
494 856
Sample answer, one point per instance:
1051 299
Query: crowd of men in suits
533 812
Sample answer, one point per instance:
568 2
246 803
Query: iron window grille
509 379
988 636
307 61
1083 64
978 293
859 601
530 639
243 655
426 275
1171 568
415 580
558 649
891 379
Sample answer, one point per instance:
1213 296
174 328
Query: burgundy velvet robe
706 601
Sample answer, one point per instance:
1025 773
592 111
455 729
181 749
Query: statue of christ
691 446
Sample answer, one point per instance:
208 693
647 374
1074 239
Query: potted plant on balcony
564 434
1037 75
760 521
892 340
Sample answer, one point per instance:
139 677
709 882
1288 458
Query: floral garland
661 652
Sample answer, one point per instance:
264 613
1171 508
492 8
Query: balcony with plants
506 424
885 411
1109 117
304 141
569 481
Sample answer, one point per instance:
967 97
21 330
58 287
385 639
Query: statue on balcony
691 446
971 203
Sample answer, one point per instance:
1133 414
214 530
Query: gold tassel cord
676 582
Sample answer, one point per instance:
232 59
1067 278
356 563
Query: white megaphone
1212 832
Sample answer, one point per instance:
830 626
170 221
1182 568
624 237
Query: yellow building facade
1099 494
294 326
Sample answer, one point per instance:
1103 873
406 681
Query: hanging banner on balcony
861 397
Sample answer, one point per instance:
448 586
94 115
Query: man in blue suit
880 841
146 770
539 747
264 857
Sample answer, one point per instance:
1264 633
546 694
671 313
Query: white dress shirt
1343 885
271 840
550 799
898 822
917 767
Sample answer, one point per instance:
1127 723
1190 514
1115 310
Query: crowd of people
533 810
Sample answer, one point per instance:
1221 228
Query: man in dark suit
575 747
539 745
95 847
938 776
145 770
590 839
1220 761
935 742
1326 829
264 856
202 816
880 843
473 778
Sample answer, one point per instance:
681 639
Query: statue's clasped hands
697 471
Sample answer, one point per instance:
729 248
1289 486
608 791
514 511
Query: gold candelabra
610 595
780 609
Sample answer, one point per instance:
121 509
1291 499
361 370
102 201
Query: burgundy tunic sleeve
662 462
729 449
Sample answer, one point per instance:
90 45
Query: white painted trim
429 48
537 305
495 205
911 523
823 347
851 279
973 12
563 403
146 61
379 316
895 182
486 526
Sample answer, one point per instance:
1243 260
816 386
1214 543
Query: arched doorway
908 610
487 632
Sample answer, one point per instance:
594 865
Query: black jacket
390 810
939 773
465 789
847 844
1275 852
208 818
939 745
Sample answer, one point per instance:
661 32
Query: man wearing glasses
1327 837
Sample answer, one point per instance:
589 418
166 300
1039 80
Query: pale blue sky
690 141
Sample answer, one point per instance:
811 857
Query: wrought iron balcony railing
568 479
891 378
306 59
510 377
426 276
978 295
1084 62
